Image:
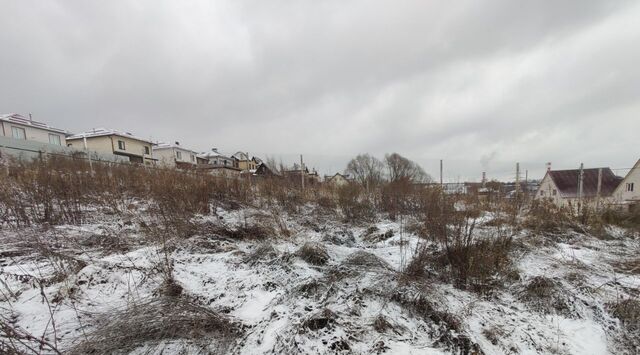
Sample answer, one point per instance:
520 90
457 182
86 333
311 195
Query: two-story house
175 156
218 164
138 150
22 128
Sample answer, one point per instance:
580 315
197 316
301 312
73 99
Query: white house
109 141
218 159
628 192
174 155
562 187
17 126
337 180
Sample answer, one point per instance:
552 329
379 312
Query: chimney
177 143
549 166
30 117
484 178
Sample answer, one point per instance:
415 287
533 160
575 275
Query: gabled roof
241 156
19 119
101 132
329 177
567 182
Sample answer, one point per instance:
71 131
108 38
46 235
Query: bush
313 253
354 206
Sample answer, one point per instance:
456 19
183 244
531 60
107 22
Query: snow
266 295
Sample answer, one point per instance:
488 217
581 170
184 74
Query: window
179 155
147 150
18 133
554 192
629 186
121 145
193 158
54 139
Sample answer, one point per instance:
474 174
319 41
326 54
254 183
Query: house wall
31 133
546 191
109 144
169 156
100 144
622 193
247 164
338 180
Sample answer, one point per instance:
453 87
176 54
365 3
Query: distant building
138 150
217 159
562 187
19 127
175 156
216 163
628 191
267 171
337 180
244 163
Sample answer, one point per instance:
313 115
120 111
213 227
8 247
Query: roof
567 182
244 156
19 119
212 154
101 132
241 156
329 177
162 145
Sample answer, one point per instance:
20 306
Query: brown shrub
313 253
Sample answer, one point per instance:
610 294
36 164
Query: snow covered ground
354 302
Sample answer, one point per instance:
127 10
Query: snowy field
66 284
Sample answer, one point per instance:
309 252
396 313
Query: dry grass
153 321
628 311
313 253
547 296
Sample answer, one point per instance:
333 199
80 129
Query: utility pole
580 182
84 139
517 179
248 170
440 172
302 171
599 189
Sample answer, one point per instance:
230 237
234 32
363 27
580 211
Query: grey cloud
533 81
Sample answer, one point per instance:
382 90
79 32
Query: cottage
19 127
244 163
218 164
627 193
337 180
102 140
562 187
216 159
265 170
175 156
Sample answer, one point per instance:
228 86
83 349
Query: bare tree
273 165
366 170
400 168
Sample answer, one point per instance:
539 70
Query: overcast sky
480 84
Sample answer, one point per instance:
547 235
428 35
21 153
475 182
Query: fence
26 149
